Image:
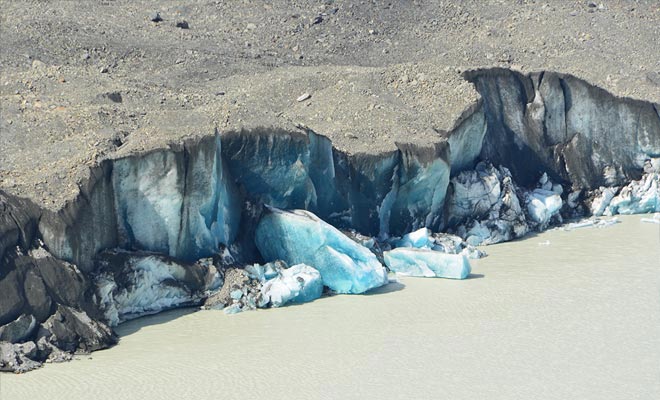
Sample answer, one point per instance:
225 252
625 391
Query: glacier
427 263
273 194
300 237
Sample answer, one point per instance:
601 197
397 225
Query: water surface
560 315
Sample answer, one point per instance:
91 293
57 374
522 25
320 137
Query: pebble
155 17
183 24
303 97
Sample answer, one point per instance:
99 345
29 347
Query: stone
19 329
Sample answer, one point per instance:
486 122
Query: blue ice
299 236
420 238
427 263
298 284
543 205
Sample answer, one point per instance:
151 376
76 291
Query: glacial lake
558 315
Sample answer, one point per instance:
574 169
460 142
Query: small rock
183 24
303 97
573 13
85 56
317 20
654 77
104 70
251 26
155 17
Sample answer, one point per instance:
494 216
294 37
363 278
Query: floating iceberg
654 220
427 263
299 237
298 284
591 222
442 242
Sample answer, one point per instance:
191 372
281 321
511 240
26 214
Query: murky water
576 318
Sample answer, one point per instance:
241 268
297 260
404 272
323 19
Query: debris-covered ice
483 206
427 263
130 284
638 197
299 236
443 242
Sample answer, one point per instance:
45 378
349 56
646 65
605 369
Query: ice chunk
299 236
484 207
654 220
638 197
419 239
298 284
129 285
232 309
591 222
543 205
600 203
427 263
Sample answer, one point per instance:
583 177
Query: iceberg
427 263
298 284
300 237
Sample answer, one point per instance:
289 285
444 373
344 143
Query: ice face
300 237
182 206
272 167
149 196
419 190
211 209
427 263
297 284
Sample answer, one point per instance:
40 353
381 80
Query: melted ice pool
558 315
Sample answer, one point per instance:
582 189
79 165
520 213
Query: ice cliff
166 228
